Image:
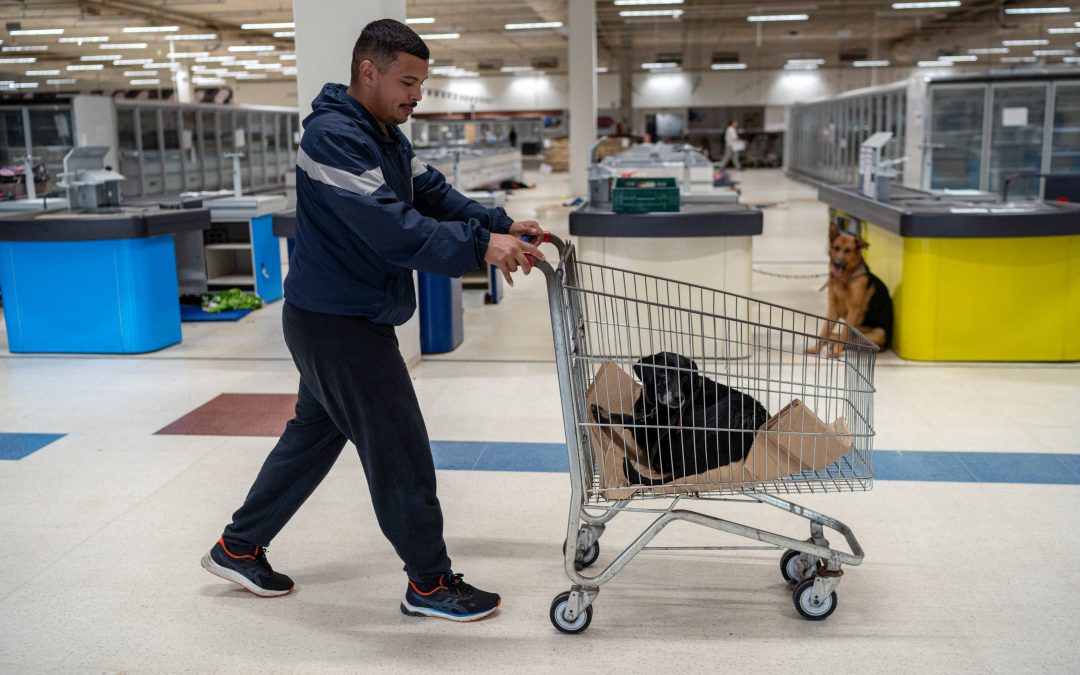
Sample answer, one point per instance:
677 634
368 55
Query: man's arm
434 197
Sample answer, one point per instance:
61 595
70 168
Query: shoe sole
409 610
239 579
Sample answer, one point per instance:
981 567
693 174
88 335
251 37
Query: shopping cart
604 320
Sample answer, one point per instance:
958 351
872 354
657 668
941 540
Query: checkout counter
971 279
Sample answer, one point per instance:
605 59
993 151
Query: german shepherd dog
685 422
856 296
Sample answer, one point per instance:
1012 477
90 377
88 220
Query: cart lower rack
726 402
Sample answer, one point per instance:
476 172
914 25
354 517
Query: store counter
972 280
100 281
705 244
241 249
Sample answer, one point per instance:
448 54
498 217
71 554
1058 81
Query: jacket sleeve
345 173
434 197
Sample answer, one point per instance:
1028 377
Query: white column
326 31
581 17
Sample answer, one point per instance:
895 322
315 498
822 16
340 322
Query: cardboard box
791 441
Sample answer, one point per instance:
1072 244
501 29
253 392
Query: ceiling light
124 45
763 18
1052 52
648 2
23 85
285 34
101 57
251 48
139 83
935 64
989 50
251 76
131 62
268 26
870 64
1071 59
41 73
440 36
426 19
955 59
187 55
134 73
205 81
192 37
264 66
530 26
516 69
657 65
1025 43
924 5
800 66
21 59
1018 59
453 71
289 71
271 52
1061 31
151 29
804 62
161 65
86 66
66 80
287 57
728 66
602 69
215 59
27 48
1037 10
38 31
673 13
89 38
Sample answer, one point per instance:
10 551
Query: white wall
266 93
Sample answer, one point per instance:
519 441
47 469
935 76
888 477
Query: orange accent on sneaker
229 553
420 592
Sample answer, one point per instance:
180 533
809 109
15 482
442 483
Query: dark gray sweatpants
354 386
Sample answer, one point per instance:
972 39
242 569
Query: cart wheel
803 598
558 606
591 554
788 566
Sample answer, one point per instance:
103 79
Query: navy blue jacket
368 212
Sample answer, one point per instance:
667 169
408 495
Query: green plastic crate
644 195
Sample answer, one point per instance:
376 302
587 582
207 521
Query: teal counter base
90 297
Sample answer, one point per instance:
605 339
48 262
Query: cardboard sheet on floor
792 441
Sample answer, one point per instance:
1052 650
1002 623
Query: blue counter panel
100 297
267 256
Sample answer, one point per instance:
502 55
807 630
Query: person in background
513 137
733 145
368 213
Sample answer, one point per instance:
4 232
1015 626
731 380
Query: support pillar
581 17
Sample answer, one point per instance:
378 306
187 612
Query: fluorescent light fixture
27 48
215 59
924 5
516 69
440 36
800 66
187 55
140 83
807 62
41 73
631 13
989 50
208 81
151 29
957 59
453 71
268 26
251 48
1053 52
1071 59
264 66
1062 31
935 64
285 34
251 76
192 37
1025 43
1037 10
131 62
530 26
87 38
601 69
86 66
64 80
287 57
21 59
630 3
870 64
422 19
768 18
659 65
289 71
38 31
124 45
161 65
270 52
101 57
728 66
134 73
23 85
1018 59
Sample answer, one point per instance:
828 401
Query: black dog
685 422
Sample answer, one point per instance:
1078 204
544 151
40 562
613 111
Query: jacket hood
334 98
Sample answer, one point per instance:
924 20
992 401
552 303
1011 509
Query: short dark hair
381 40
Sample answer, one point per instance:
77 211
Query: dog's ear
834 231
861 243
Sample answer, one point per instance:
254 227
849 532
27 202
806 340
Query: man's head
389 63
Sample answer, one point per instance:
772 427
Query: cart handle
546 238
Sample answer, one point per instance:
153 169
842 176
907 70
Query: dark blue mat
17 446
193 313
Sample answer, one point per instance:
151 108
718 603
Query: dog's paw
813 348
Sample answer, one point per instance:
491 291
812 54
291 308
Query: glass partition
1065 137
956 136
1016 144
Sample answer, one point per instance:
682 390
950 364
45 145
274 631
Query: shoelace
458 587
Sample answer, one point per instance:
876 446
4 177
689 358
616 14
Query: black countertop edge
1054 220
123 226
284 224
722 223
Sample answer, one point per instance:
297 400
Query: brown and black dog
856 296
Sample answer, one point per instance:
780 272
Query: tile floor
102 528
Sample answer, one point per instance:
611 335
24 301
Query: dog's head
845 251
667 378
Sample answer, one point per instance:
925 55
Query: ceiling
708 31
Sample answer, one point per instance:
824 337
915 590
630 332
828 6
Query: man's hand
526 228
507 252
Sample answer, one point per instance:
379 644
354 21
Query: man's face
396 91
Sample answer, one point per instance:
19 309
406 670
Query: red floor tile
237 415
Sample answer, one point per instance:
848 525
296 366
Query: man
733 145
368 213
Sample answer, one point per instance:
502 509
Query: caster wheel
803 599
558 606
788 566
591 554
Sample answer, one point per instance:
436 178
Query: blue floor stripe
17 446
914 465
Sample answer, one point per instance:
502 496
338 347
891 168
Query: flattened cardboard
791 441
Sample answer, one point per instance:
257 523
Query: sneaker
451 599
252 571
